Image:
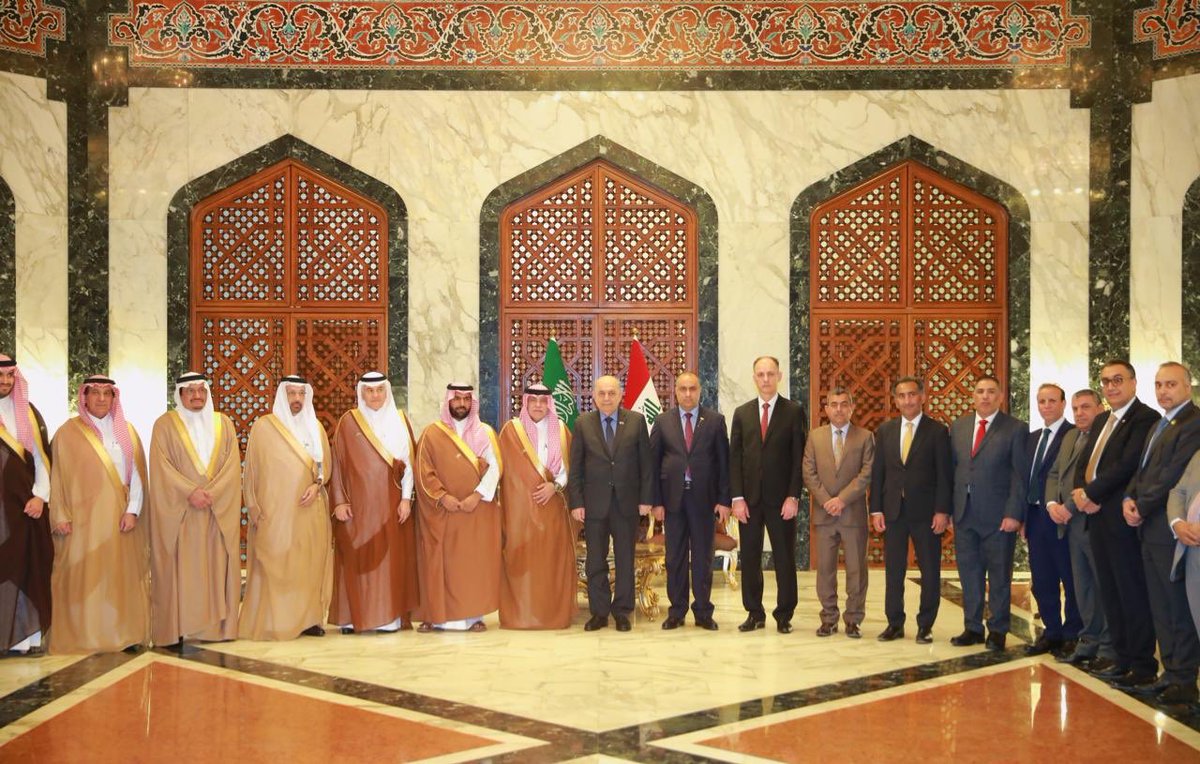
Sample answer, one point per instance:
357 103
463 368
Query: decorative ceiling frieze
1172 25
600 36
25 25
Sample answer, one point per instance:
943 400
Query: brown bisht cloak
459 552
196 577
537 590
26 550
375 556
101 579
289 549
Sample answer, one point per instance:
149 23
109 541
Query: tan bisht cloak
195 573
537 590
101 581
375 556
289 550
459 552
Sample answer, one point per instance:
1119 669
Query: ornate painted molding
1172 25
581 35
25 26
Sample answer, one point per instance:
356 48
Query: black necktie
608 431
1035 495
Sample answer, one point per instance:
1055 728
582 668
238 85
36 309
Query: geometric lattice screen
909 276
594 259
288 274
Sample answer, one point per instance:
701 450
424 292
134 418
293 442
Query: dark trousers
1050 569
985 562
622 530
689 533
783 548
928 548
1178 645
1122 579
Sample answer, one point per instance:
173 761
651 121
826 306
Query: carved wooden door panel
909 277
594 259
288 274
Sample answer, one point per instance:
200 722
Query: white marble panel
137 326
147 152
33 145
224 124
1058 332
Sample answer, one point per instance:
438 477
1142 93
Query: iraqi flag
640 395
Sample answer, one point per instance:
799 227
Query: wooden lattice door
909 276
594 259
288 274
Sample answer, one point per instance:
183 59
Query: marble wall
33 164
443 152
1166 162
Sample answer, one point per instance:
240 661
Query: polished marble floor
686 695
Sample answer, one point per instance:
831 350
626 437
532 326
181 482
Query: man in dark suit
1049 551
1094 646
691 469
837 473
910 499
991 478
766 445
1171 444
1104 470
611 482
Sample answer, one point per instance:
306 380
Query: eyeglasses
1112 381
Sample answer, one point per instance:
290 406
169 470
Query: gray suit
989 486
1187 558
1094 640
825 479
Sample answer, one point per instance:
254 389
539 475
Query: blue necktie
1034 495
1162 425
609 432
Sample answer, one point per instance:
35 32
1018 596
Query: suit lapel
771 424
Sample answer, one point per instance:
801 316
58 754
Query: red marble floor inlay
174 714
1029 714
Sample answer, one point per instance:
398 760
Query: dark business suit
1115 546
689 483
1163 466
610 483
908 494
989 487
1049 551
765 472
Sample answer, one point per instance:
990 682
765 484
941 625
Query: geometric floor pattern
687 695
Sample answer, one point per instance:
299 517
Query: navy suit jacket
1169 456
1038 480
708 459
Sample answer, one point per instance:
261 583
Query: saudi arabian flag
554 376
640 395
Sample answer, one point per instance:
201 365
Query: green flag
554 376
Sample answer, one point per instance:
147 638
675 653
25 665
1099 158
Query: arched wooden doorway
594 259
909 276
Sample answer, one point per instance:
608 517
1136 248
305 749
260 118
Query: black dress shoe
1075 659
924 636
751 623
827 630
672 622
967 638
623 623
891 633
707 624
347 629
1066 648
784 627
595 622
1041 646
1103 668
1154 688
853 631
1133 679
995 641
313 631
1178 694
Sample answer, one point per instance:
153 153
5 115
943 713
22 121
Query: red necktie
765 419
979 436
